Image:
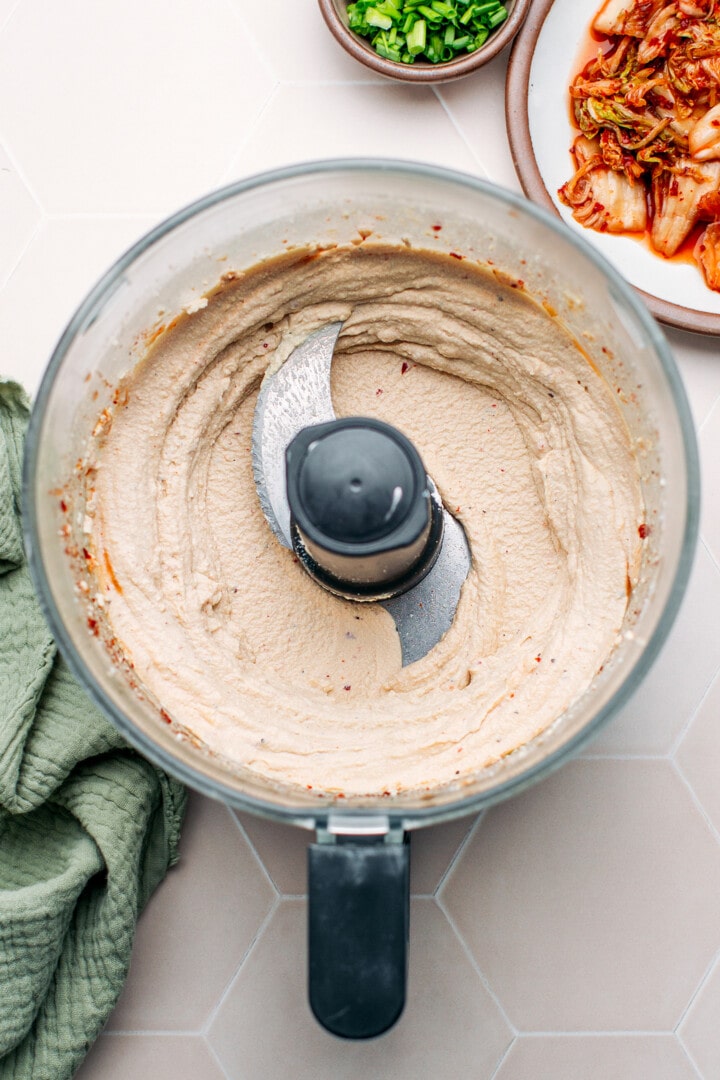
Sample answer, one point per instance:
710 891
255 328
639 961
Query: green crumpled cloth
87 827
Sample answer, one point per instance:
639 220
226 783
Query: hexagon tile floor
571 934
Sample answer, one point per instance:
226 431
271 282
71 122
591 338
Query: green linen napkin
87 827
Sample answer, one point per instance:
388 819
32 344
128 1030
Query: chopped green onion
433 49
374 17
497 17
428 12
388 8
398 29
415 40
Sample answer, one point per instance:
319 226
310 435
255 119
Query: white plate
545 58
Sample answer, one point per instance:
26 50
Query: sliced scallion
426 31
378 19
416 39
433 16
497 17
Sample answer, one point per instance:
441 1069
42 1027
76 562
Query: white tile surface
294 42
62 261
699 753
575 1057
470 102
710 465
663 704
20 216
311 121
6 9
700 1031
162 1057
587 908
129 109
592 901
451 1026
193 924
697 358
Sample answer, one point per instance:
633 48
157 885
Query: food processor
383 536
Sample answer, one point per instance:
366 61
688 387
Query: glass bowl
331 201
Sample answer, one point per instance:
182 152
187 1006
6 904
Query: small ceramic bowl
335 14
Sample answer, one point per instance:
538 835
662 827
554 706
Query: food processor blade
291 398
296 396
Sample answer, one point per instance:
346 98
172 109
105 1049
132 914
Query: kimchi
647 109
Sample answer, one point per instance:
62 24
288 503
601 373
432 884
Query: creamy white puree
520 434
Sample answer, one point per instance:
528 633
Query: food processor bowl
360 851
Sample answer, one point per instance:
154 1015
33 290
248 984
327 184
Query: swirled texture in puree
526 446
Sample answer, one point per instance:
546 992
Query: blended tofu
224 628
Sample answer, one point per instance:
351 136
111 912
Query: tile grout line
135 1032
260 53
476 967
680 738
693 1064
9 16
21 173
460 133
713 407
503 1057
230 169
213 1054
610 1034
248 841
376 83
212 1015
698 990
33 233
463 844
107 215
698 805
688 723
622 757
702 542
41 214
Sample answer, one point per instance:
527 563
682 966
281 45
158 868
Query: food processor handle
359 909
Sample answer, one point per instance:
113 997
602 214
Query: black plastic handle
359 913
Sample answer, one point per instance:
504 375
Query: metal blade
424 613
295 396
298 395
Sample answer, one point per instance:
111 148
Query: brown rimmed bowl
334 13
